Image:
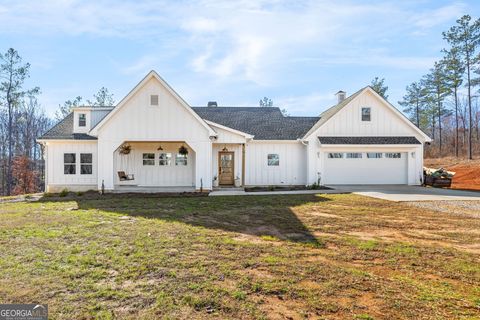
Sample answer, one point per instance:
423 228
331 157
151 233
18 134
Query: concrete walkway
272 193
397 193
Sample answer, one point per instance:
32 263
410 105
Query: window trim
380 154
273 160
148 161
86 164
391 155
82 119
181 160
359 154
70 164
330 155
369 114
165 162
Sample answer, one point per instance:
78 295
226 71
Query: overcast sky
298 53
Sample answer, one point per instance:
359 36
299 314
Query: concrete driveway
408 193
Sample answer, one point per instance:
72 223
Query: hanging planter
125 149
183 151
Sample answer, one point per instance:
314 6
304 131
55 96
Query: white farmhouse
153 138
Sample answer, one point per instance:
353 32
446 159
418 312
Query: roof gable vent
212 104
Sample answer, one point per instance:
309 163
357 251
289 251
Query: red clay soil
467 172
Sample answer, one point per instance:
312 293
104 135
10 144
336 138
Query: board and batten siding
291 169
348 122
156 175
56 179
384 122
97 115
225 136
137 120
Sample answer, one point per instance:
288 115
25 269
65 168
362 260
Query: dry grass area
250 257
467 175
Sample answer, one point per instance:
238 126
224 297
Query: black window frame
82 119
86 167
69 166
366 116
273 159
181 159
148 161
166 161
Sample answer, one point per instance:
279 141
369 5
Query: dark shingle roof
264 123
368 140
64 130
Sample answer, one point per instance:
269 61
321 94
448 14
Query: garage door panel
365 170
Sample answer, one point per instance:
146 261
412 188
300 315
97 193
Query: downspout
243 164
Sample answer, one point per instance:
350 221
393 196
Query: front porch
160 167
149 189
151 167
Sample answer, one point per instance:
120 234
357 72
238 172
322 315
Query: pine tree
454 70
465 37
413 101
437 86
379 86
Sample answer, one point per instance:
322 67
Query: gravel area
468 208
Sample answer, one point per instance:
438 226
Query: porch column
105 163
203 164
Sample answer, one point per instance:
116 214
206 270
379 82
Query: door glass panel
226 168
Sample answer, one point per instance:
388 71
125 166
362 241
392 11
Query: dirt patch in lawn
263 257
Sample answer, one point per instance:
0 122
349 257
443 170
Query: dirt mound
467 172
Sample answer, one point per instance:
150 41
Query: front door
225 168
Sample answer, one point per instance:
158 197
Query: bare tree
13 74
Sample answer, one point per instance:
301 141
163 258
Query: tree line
22 121
444 102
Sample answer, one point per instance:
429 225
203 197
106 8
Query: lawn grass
262 257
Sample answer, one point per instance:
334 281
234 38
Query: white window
180 159
374 155
354 155
366 114
335 155
69 163
165 159
154 100
82 120
393 155
148 159
85 163
273 159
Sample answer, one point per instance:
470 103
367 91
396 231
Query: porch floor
148 189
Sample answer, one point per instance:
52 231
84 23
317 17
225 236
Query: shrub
63 193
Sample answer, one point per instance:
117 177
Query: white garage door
365 168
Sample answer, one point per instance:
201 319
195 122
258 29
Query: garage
372 167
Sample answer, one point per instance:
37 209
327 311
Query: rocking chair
125 177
